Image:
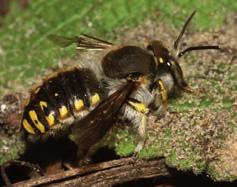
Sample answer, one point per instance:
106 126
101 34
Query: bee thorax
141 96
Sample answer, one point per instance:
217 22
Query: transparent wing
62 41
83 42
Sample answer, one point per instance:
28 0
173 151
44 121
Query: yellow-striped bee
127 81
60 100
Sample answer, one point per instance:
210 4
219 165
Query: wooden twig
103 174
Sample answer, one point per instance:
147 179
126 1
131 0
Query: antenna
176 43
195 48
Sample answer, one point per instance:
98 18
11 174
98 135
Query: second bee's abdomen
61 100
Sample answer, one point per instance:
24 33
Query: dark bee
132 81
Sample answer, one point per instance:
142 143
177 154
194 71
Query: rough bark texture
103 174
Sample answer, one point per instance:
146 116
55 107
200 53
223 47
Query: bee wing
90 42
83 42
93 127
62 41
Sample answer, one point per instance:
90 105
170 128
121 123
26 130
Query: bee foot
84 162
68 166
138 148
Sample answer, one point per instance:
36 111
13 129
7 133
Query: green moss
200 167
232 77
227 103
216 175
222 66
125 143
171 159
150 152
205 103
234 87
10 148
184 106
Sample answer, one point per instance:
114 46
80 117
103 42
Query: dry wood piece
103 174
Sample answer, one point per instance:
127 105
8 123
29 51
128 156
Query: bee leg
84 161
84 156
142 111
142 134
88 156
81 156
191 90
163 99
68 166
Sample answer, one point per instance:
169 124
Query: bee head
167 68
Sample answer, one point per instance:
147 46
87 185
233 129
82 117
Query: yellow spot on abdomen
28 127
43 104
95 99
50 118
36 121
63 111
78 104
138 106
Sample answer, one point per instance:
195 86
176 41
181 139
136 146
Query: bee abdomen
61 100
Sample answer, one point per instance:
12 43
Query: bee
128 82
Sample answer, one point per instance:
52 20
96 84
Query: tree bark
103 174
